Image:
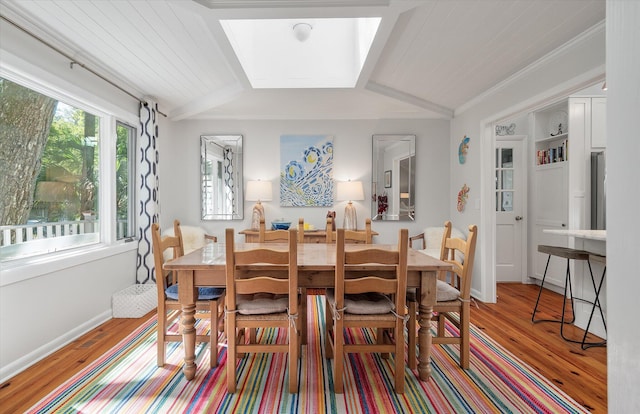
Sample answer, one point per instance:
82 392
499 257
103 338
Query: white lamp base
350 220
256 216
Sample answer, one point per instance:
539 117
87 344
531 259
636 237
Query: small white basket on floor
134 301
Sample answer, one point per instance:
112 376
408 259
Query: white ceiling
428 58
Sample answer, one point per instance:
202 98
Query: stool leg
567 284
535 308
596 302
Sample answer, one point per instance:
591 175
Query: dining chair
282 236
193 238
351 236
257 298
453 296
209 304
266 236
361 299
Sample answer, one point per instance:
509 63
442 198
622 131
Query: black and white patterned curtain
147 184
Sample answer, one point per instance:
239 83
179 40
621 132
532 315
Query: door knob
518 218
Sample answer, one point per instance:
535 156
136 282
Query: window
125 195
50 167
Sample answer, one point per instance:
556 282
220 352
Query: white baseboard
10 370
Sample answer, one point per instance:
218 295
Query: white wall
41 314
569 69
179 169
623 199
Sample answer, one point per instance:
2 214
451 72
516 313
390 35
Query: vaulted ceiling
428 58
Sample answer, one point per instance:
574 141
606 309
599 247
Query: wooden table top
311 256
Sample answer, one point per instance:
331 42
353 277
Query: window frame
131 164
109 114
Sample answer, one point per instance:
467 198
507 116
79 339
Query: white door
510 198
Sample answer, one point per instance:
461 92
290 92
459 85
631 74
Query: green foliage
122 172
71 156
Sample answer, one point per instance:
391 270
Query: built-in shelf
553 138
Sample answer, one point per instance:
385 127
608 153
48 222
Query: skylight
273 57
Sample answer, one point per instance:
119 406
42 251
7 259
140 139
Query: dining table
316 269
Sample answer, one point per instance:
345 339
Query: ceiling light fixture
302 31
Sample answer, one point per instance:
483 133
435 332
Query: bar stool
569 254
596 301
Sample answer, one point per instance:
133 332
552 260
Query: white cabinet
562 143
550 208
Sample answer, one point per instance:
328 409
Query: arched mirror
221 177
393 177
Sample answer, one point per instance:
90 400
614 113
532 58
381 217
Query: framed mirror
221 195
393 177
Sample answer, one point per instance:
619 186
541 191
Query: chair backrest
251 271
267 236
460 253
162 244
193 237
391 279
301 230
351 236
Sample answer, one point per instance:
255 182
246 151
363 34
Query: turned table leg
187 298
427 300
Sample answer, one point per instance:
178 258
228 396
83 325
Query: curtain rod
75 62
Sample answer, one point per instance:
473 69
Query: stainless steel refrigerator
598 191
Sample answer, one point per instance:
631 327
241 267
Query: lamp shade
259 191
350 190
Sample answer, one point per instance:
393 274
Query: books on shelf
552 154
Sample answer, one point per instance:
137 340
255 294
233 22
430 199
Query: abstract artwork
306 170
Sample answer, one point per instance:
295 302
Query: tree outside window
49 173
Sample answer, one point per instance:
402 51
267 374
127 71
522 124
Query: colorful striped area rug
127 380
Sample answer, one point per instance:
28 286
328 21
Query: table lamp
258 191
351 191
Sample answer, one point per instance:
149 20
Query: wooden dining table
316 269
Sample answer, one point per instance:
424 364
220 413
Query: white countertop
583 234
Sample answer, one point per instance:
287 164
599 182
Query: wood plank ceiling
428 59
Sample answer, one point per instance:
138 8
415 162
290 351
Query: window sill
19 270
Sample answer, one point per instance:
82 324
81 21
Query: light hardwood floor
580 374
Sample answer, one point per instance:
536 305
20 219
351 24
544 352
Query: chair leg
412 335
380 339
162 331
303 314
338 341
213 335
294 347
465 315
441 319
328 321
231 353
399 357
